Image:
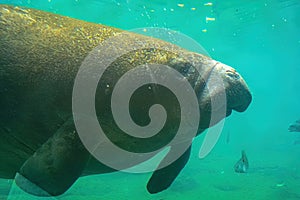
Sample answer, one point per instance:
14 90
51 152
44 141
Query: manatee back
39 57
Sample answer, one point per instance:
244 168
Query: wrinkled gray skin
40 54
295 127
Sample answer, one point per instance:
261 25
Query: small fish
295 127
242 165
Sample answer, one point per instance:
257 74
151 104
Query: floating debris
208 4
210 19
204 30
280 184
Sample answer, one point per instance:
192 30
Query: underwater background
261 39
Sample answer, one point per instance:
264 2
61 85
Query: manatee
40 55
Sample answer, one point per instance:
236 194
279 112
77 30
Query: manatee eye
232 73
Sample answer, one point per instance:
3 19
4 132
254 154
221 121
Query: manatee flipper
56 165
29 186
161 179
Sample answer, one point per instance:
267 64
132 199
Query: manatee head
237 91
221 89
238 96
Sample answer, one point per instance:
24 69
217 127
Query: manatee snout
238 95
225 90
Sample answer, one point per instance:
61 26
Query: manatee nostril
232 74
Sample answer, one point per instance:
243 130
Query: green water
261 39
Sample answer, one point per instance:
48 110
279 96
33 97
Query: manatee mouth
242 107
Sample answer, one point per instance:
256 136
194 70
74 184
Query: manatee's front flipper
161 179
56 165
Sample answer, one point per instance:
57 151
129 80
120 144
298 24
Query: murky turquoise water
261 39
